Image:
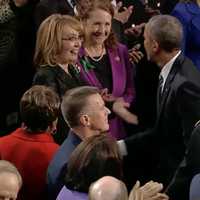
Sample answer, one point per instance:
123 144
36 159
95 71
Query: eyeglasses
73 38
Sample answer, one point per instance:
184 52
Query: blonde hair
49 38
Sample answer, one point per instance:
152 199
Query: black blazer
176 116
189 167
56 78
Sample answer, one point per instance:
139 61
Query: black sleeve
46 77
188 96
193 151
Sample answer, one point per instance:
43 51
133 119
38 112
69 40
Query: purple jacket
65 194
123 86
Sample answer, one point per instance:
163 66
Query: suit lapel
167 87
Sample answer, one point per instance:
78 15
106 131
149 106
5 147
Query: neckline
95 58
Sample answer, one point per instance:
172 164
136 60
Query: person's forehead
69 30
95 99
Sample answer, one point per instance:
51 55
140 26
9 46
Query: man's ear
155 46
85 120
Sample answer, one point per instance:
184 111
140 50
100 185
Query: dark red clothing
31 154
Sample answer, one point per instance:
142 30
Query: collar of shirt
75 11
167 67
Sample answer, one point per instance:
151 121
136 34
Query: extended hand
120 108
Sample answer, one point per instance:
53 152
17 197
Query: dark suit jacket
176 116
190 166
59 163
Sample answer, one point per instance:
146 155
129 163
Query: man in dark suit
178 100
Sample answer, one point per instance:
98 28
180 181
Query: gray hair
166 30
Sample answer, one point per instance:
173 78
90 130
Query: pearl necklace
96 59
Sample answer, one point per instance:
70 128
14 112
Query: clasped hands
149 191
120 107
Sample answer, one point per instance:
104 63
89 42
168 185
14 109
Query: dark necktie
160 87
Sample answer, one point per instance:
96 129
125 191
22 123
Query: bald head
108 188
10 180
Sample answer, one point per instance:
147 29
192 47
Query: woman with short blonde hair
59 39
50 36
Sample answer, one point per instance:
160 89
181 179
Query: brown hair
166 30
49 38
108 7
95 157
74 102
39 107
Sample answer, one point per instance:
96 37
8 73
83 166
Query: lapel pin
117 58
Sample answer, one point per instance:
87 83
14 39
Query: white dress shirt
166 69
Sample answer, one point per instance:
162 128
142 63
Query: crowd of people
100 99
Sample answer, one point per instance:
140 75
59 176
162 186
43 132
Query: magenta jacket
123 86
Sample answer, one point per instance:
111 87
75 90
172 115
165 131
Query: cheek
67 46
146 45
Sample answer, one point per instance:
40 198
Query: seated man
84 111
10 180
31 146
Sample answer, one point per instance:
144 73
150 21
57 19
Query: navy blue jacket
59 163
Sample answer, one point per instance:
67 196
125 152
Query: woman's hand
107 96
120 108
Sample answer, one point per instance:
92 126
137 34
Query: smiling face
97 26
71 43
